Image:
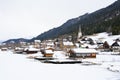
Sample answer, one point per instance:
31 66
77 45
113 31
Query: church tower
79 34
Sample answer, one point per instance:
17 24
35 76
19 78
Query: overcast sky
28 18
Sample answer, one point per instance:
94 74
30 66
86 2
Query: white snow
18 67
38 54
114 68
49 52
59 55
104 37
84 50
33 49
68 43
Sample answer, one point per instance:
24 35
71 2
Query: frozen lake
18 67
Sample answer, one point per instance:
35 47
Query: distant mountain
106 19
16 40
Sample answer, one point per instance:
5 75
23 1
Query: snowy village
87 50
59 40
98 53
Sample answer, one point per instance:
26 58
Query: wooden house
115 47
48 53
105 47
4 49
82 53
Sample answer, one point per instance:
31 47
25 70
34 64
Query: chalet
4 49
48 53
82 53
105 46
115 47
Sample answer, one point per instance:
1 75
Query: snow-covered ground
18 67
104 36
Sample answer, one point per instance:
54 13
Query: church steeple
79 33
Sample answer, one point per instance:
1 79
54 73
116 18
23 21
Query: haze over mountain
103 20
16 40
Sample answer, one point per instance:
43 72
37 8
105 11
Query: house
48 53
31 50
105 47
4 49
82 53
37 44
47 44
67 45
19 50
115 47
50 44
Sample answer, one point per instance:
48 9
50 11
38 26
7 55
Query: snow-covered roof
3 48
49 51
48 47
18 48
50 44
119 43
33 49
82 42
115 44
77 44
102 37
109 41
36 54
84 50
68 43
89 46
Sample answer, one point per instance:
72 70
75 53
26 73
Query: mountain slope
106 19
